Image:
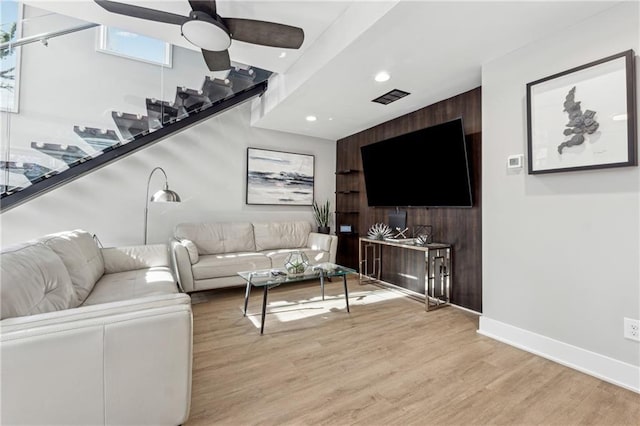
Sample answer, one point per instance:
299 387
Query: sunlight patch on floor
287 310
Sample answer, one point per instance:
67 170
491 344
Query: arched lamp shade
165 195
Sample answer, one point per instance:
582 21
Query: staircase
132 132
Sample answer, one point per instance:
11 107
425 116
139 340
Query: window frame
15 108
102 48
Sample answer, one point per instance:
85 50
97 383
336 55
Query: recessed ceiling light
311 118
330 118
282 55
620 117
382 76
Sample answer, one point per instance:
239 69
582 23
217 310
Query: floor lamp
164 195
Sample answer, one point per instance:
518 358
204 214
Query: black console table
437 271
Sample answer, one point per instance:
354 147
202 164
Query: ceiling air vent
391 96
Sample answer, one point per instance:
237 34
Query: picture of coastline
279 178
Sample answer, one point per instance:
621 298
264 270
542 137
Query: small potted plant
322 215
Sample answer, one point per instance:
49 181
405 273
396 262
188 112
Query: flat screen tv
425 168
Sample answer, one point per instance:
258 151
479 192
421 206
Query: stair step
241 79
129 125
160 113
32 171
8 190
70 154
216 89
99 139
190 100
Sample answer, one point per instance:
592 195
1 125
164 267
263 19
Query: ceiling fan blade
206 6
265 33
141 12
217 61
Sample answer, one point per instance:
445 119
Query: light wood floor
388 362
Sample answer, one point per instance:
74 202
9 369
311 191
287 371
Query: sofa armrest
100 357
326 242
182 266
129 258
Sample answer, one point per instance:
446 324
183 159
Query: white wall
70 83
206 166
561 251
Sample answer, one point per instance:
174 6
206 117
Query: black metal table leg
346 292
246 297
264 307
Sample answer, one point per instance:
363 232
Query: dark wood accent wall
460 227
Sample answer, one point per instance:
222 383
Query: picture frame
583 118
279 178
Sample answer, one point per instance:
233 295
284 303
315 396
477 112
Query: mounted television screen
425 168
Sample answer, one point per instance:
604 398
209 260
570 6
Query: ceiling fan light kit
206 33
212 33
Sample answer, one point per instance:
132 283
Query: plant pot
323 229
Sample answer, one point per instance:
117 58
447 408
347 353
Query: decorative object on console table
423 234
164 195
422 240
379 231
279 178
322 216
296 262
583 118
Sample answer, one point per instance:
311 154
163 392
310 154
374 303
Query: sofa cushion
279 256
34 280
128 258
214 238
229 264
82 257
281 235
132 284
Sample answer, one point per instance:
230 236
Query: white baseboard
608 369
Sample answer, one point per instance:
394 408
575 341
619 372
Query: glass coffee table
270 278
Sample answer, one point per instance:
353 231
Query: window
134 46
11 13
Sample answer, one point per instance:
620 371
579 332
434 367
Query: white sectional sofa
209 255
92 336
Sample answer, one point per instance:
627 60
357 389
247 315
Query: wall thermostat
515 161
345 228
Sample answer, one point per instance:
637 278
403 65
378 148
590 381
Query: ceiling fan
211 32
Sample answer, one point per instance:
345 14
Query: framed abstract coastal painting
279 178
583 118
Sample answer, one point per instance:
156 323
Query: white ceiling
434 50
